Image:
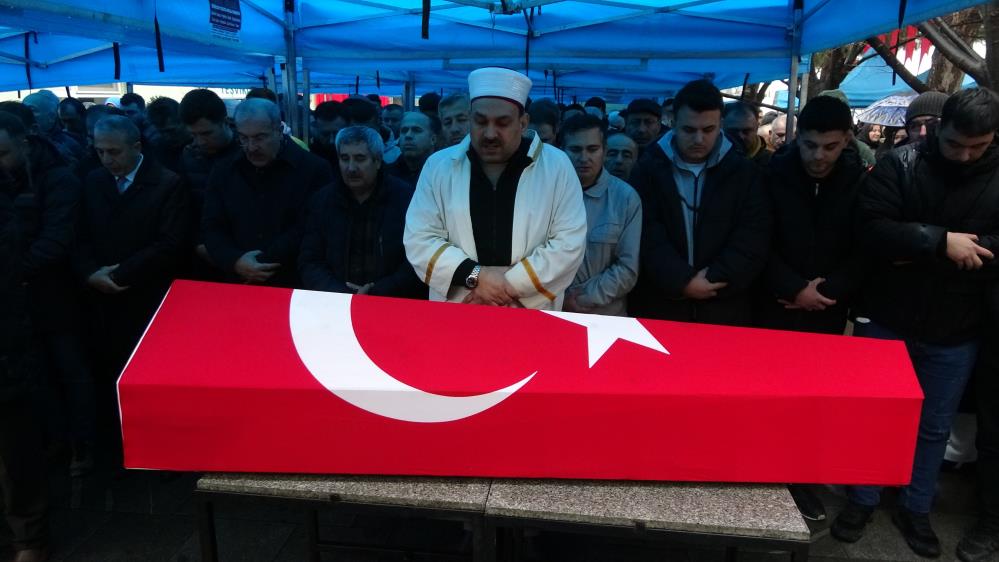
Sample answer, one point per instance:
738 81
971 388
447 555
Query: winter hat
926 103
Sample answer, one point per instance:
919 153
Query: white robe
549 225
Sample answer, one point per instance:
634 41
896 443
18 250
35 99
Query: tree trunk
944 76
952 38
992 42
755 92
829 68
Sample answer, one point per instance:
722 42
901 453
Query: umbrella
889 111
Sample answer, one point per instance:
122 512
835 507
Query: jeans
943 371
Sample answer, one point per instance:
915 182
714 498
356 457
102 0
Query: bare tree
830 67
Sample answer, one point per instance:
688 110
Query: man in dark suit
253 218
134 230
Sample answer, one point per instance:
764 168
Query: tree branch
956 39
896 65
955 53
866 58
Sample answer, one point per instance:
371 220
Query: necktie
122 184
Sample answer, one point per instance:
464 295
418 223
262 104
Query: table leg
731 554
483 540
206 531
312 535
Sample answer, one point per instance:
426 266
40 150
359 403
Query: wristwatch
472 281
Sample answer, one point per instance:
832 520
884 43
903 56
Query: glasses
917 124
255 140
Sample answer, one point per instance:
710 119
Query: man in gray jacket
613 221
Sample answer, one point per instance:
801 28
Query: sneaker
808 503
849 525
979 543
917 531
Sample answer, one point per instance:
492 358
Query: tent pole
792 96
804 90
271 80
307 109
291 71
409 95
792 86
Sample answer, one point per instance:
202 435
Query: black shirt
362 267
491 210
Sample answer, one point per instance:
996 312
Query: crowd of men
694 210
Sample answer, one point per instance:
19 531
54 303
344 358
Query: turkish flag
251 379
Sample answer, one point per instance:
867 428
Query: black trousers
69 386
23 474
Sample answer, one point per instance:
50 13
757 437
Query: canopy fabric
623 48
872 81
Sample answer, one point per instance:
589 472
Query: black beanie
926 103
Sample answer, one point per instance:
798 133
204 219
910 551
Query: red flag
239 378
910 47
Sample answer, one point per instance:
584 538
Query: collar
131 175
598 189
720 150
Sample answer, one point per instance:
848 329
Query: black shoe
849 525
917 531
981 542
808 503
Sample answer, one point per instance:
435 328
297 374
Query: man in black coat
22 461
134 230
206 118
353 236
815 266
706 228
254 212
742 125
46 197
930 225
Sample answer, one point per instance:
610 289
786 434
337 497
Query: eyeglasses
255 140
917 124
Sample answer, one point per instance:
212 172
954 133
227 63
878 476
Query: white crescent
323 334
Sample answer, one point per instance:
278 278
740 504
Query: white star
603 331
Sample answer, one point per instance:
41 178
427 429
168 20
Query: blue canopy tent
622 48
872 81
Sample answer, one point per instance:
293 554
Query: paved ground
148 517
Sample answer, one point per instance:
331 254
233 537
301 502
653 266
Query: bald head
259 109
45 106
778 131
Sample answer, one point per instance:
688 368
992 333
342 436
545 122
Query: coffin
251 379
